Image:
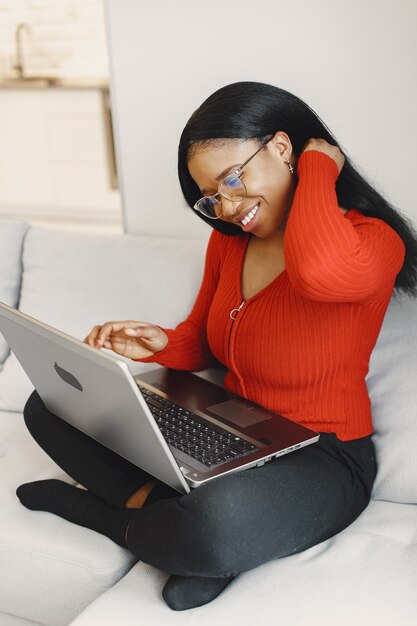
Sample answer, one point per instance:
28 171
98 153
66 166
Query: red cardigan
300 346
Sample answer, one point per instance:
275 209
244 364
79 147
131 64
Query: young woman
301 265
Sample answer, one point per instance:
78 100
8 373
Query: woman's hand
134 340
322 145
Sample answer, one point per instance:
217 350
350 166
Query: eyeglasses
232 188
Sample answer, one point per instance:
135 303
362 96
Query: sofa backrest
12 234
73 281
392 387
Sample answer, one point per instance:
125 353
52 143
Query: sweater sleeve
327 258
188 348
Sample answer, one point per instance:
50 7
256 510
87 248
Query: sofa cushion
74 281
391 382
11 242
51 569
11 620
363 575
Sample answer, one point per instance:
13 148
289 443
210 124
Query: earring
290 166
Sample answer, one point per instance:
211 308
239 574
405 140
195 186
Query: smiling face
267 178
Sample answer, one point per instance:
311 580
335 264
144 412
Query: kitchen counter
53 82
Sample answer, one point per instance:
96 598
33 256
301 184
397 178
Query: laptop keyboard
185 431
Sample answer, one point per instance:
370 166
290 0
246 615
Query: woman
300 268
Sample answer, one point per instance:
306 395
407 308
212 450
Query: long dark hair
250 110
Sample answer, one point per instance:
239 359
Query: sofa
56 573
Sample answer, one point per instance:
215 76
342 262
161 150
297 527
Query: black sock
186 592
78 506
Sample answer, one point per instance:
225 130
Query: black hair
253 111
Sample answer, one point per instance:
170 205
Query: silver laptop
177 426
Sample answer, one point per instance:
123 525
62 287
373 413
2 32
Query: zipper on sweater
237 311
233 315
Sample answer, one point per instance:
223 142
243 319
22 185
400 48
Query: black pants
233 523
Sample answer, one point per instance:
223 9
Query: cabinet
56 156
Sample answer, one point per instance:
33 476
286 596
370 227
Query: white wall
353 62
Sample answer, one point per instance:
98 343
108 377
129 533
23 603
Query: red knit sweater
300 346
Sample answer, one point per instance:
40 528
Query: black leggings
233 523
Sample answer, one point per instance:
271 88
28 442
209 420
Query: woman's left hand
323 146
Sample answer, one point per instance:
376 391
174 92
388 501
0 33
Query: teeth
250 215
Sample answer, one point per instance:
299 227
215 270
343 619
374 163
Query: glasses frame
238 172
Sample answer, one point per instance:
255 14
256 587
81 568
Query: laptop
179 427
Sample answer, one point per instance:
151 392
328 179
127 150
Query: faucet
19 49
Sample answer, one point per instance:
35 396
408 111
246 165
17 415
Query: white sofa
54 573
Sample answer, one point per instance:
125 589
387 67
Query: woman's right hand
132 339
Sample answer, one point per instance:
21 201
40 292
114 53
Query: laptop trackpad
238 412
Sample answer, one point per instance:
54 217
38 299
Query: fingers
92 335
113 327
148 332
100 334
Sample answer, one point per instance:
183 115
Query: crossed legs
207 537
